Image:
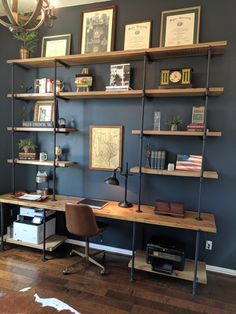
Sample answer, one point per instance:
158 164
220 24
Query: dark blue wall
217 23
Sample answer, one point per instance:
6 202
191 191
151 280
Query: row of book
197 127
28 155
158 159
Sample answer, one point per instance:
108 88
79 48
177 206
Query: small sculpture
148 151
83 81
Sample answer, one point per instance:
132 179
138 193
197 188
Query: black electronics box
165 255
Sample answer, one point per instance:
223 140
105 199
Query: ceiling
26 5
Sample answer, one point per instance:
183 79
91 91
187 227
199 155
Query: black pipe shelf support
201 179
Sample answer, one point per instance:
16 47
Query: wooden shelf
102 94
186 274
113 211
32 129
47 163
180 92
176 133
33 96
50 244
124 56
178 173
184 92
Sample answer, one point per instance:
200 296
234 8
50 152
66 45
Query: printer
29 226
165 255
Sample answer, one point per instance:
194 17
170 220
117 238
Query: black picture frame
173 33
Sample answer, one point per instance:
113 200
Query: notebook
93 203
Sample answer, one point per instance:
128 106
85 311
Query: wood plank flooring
88 292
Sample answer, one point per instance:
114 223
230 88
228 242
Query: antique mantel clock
176 78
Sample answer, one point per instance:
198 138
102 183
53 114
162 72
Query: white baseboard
221 270
215 269
100 247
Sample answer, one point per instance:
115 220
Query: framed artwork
44 111
180 27
98 30
198 114
137 35
56 46
105 151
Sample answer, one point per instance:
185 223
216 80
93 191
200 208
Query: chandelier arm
9 13
38 25
35 14
5 23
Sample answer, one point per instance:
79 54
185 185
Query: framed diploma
137 35
56 46
180 27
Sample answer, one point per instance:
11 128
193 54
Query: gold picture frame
98 30
137 35
180 27
44 111
105 147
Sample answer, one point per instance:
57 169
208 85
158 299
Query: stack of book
197 127
28 156
189 162
158 159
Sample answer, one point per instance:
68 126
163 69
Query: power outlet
208 245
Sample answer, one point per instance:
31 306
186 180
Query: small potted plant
28 40
173 123
26 145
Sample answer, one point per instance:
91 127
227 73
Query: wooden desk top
113 211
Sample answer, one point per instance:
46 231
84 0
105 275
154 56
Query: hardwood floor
88 292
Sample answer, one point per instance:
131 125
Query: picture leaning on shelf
119 77
188 162
198 116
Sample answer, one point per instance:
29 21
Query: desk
147 216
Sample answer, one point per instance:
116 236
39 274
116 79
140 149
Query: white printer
29 227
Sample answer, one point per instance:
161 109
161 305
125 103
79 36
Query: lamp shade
112 180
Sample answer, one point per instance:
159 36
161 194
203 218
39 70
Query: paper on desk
30 197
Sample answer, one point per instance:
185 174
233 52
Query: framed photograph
120 75
56 46
105 151
198 114
180 27
44 111
98 30
137 35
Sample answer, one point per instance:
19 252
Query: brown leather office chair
80 221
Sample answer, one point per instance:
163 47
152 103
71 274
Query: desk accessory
176 78
114 181
93 203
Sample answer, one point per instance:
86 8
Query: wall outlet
208 245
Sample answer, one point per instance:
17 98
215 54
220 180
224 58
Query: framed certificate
137 35
180 27
56 46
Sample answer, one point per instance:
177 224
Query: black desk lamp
114 181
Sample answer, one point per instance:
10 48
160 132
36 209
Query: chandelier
31 21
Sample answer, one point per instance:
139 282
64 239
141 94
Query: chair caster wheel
102 272
71 254
65 272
